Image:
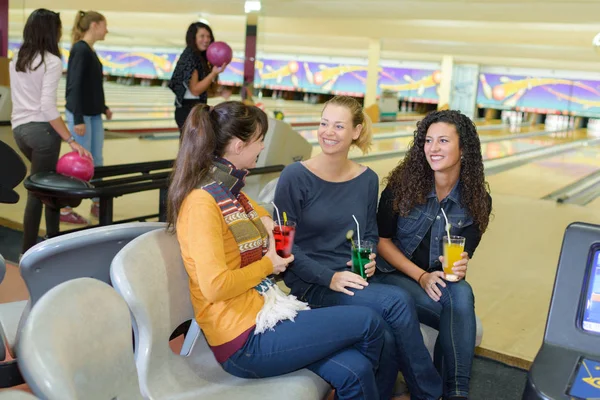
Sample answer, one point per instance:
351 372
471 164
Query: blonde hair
359 117
83 21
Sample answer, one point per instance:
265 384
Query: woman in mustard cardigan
228 250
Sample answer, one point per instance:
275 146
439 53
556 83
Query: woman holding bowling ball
440 177
323 195
194 77
36 122
253 329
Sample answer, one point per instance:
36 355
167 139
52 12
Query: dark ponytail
205 135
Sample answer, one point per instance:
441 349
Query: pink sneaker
72 217
95 210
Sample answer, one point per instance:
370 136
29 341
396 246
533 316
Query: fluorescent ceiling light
251 5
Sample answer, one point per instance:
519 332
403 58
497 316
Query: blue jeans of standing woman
93 138
346 346
454 318
397 309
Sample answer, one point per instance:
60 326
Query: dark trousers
181 113
40 143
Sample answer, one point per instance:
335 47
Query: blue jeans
93 139
454 317
346 346
398 311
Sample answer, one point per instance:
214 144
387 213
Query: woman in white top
36 123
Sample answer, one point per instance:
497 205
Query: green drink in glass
360 256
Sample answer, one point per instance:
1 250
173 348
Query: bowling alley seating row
75 335
73 318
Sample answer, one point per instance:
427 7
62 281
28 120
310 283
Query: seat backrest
76 344
16 395
2 268
150 275
87 253
13 170
3 344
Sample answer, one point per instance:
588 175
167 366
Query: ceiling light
252 5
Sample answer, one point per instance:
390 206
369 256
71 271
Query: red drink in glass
284 238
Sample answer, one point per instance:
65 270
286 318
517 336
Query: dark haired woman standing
442 171
36 122
193 76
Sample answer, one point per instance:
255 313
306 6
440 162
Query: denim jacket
413 227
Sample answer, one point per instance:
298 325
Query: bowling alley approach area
526 73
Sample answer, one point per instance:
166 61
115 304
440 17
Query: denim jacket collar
454 194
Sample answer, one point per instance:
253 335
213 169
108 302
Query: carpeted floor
10 244
492 380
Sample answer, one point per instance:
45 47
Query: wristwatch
70 140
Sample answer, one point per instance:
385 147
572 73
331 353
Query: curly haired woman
442 172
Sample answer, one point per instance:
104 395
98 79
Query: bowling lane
594 204
490 150
485 128
401 143
542 177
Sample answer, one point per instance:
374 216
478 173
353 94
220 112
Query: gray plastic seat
150 275
87 253
2 268
10 317
76 344
16 395
10 314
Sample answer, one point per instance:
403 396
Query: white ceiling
555 34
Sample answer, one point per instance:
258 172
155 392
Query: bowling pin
309 74
512 101
329 85
487 89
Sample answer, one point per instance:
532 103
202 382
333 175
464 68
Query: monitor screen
591 313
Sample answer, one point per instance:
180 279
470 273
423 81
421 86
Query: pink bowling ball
219 53
72 164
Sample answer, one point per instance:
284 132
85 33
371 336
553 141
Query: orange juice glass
452 252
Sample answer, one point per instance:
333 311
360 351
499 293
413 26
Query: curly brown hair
412 179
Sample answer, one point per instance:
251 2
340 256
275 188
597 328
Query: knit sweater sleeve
204 231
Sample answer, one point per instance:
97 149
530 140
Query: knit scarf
224 182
